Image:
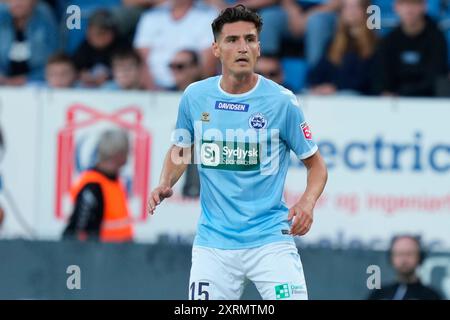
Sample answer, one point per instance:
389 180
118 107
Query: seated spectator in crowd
186 69
169 28
129 12
270 67
100 207
93 56
321 20
348 63
27 38
60 71
126 68
405 255
413 56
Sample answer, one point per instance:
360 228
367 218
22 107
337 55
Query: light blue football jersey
242 151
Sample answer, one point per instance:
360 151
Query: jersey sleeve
183 135
297 133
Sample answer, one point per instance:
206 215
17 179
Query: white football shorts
275 269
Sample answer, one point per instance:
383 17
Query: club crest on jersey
231 106
306 131
257 121
205 116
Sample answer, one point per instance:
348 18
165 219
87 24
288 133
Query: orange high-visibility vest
116 224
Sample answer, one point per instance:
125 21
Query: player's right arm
174 166
178 156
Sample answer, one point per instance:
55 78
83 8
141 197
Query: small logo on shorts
282 291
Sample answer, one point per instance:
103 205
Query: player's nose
243 46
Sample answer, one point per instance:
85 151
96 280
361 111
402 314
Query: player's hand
157 196
302 213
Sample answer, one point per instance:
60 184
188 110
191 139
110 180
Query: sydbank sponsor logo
210 154
230 156
231 106
239 153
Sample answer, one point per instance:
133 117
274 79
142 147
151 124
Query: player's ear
216 49
259 48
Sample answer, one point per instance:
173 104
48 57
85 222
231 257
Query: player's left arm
303 209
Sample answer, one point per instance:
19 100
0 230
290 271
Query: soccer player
240 127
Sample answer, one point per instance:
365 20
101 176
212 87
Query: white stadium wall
389 164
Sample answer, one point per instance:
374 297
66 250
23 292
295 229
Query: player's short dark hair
124 53
235 14
60 57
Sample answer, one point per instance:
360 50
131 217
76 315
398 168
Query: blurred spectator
314 20
129 13
320 27
100 210
185 67
270 67
28 37
126 67
348 62
169 28
412 56
405 255
60 71
93 56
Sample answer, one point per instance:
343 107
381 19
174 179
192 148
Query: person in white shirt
169 28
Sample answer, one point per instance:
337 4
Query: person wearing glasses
185 68
270 67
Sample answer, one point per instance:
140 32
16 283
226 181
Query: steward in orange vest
100 210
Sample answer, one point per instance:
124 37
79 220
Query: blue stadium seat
434 8
386 6
71 39
306 4
295 72
388 17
